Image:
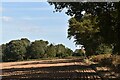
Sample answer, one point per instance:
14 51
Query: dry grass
112 61
98 58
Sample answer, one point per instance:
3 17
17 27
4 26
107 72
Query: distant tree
78 52
60 50
68 52
37 49
22 49
51 51
15 50
26 43
3 51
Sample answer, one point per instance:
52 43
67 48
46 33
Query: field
56 69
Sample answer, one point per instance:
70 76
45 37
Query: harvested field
58 69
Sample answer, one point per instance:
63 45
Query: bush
98 58
103 49
113 61
116 62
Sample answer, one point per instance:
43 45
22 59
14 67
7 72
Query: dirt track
59 69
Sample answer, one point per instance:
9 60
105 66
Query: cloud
31 29
83 12
6 18
27 18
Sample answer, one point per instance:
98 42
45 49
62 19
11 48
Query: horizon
35 21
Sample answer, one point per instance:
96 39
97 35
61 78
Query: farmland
56 69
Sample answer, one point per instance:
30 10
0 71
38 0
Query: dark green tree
78 52
103 49
37 49
61 51
15 50
68 52
85 32
26 43
3 48
108 17
51 51
1 53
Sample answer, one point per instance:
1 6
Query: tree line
23 49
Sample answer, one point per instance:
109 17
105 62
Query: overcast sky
35 21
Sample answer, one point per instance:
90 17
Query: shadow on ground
71 72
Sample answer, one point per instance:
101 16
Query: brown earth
57 69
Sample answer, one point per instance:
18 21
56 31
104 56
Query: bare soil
57 69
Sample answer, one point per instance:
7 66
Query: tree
103 49
1 53
68 52
60 48
85 32
78 52
3 50
23 49
51 51
37 49
15 50
26 43
108 18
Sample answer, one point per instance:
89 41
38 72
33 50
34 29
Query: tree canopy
107 14
37 49
24 49
14 50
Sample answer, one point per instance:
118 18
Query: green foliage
22 49
26 43
60 51
98 58
37 49
108 18
3 56
15 50
51 51
0 53
104 48
78 52
85 32
68 52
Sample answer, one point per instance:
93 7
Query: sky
35 21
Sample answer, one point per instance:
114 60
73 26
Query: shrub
98 58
